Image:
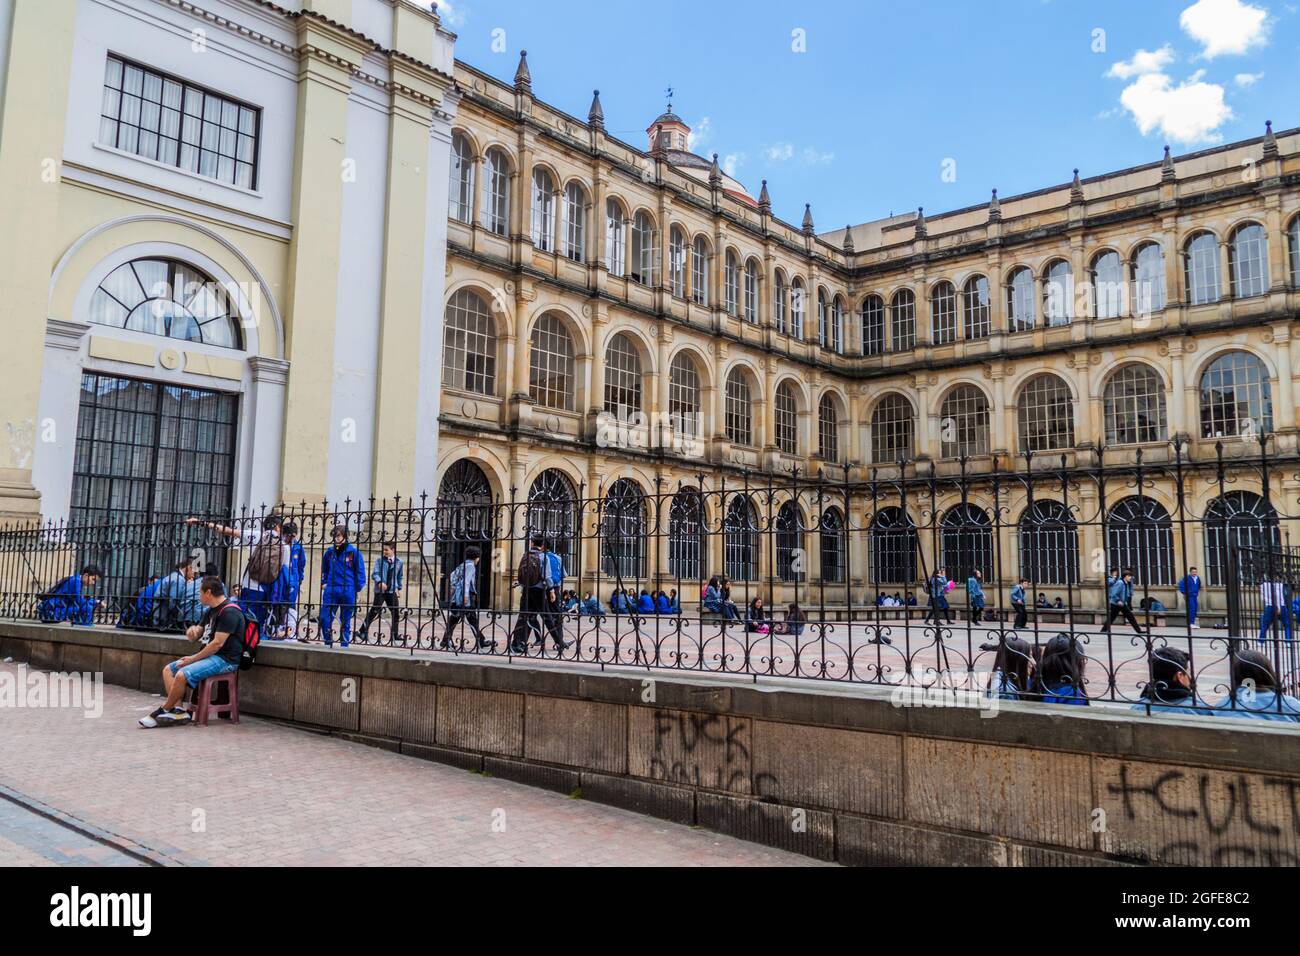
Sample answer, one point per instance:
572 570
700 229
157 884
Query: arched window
1049 544
1202 269
823 319
1248 261
977 307
1058 293
550 364
873 325
553 512
791 560
168 298
686 536
1236 399
469 345
943 314
837 325
461 201
828 429
740 540
751 292
496 192
1134 403
1046 413
740 409
623 531
677 262
1148 279
684 397
964 423
891 430
575 222
798 305
615 238
1140 536
1293 240
1021 314
902 321
778 302
700 271
644 250
622 376
464 516
1148 272
543 211
893 547
966 542
731 283
785 416
1239 519
1108 285
833 546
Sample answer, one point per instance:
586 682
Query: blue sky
863 121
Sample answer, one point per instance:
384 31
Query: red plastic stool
202 707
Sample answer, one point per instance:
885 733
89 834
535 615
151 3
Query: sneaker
181 716
151 720
484 645
169 718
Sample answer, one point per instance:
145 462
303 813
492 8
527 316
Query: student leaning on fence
67 600
267 555
1255 691
177 602
1170 689
1058 678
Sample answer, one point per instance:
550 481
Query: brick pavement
266 793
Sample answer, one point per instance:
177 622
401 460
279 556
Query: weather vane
669 91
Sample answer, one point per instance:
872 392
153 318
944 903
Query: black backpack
530 570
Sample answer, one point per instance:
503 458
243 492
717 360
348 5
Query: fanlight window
168 298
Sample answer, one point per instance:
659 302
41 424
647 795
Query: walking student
387 579
268 554
1190 588
342 578
938 588
1272 596
975 596
1119 594
554 616
1018 603
462 600
533 578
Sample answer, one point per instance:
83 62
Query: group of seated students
897 600
757 620
1053 673
627 601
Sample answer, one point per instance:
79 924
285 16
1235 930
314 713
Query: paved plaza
266 793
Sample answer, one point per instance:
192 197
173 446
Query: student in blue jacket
663 604
1012 669
1255 692
387 582
342 578
1190 588
1170 689
591 606
1059 676
139 613
67 600
645 604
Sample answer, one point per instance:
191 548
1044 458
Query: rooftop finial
807 219
921 231
764 199
995 207
596 115
848 241
523 79
715 172
1076 188
1167 166
1270 141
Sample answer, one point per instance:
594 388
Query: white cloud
808 156
815 158
1225 26
1144 61
1245 80
732 162
778 153
700 135
451 13
1190 112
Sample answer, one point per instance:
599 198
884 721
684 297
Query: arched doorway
464 516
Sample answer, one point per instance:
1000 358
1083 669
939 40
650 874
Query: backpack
530 570
456 585
266 560
252 635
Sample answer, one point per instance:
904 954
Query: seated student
1012 669
756 621
645 604
618 602
66 601
795 620
174 601
662 604
139 613
1255 692
880 599
1169 689
713 601
221 640
898 599
674 601
911 599
1059 676
1041 600
570 601
591 606
1058 604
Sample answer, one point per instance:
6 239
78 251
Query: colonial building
272 252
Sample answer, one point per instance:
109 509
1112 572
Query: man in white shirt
261 569
1272 595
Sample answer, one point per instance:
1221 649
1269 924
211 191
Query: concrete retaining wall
834 773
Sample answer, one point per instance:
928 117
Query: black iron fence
986 583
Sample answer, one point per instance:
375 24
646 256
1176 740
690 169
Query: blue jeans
341 602
199 671
1266 621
